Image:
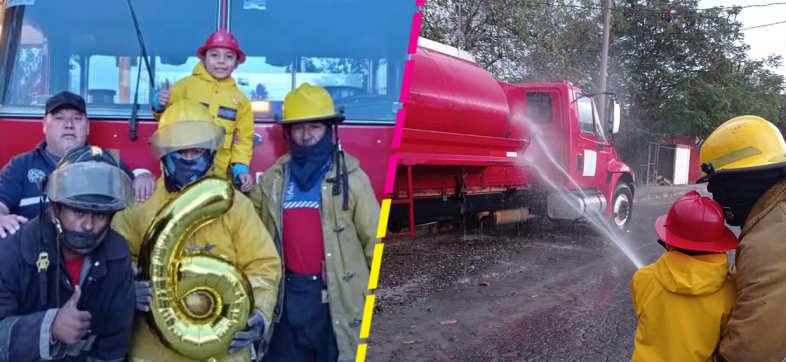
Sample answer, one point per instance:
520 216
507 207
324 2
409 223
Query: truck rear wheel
622 206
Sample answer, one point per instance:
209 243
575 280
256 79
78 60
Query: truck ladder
408 200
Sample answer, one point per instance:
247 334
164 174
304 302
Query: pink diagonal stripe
399 129
391 176
407 80
413 36
420 2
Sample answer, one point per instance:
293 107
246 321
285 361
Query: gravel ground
554 292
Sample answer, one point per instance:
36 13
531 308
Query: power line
716 7
743 7
761 26
658 10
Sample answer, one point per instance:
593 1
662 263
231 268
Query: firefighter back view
745 165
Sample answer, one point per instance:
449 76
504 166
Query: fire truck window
359 62
96 52
586 119
598 128
359 85
539 109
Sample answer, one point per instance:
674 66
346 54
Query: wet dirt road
554 293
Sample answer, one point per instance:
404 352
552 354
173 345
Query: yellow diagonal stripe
383 219
361 356
367 312
376 262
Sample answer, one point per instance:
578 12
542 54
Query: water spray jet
596 216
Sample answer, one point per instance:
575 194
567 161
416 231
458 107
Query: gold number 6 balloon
199 301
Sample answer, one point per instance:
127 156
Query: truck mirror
614 116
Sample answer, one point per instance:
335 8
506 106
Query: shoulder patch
34 175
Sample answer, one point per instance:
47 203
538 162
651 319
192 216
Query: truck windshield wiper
135 106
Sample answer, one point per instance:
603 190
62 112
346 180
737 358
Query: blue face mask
179 172
309 162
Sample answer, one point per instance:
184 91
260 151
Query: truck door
592 152
545 110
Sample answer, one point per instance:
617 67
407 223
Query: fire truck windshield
90 47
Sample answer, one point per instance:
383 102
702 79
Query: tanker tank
448 94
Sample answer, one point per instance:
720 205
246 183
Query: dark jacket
19 189
32 291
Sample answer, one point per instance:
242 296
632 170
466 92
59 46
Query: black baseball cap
65 99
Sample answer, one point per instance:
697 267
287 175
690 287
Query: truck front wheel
622 206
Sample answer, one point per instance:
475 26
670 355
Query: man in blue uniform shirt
66 127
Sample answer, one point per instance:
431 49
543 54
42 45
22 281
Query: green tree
682 71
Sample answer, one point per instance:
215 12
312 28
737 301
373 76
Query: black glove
256 327
144 294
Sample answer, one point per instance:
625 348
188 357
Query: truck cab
572 149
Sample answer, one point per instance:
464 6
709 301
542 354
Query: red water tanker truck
473 145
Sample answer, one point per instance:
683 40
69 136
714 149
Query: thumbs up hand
163 95
71 324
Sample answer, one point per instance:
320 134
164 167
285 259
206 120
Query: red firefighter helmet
696 223
225 40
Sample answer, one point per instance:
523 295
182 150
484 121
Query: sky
763 41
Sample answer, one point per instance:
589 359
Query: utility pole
458 24
604 58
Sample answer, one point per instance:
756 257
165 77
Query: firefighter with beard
744 161
66 282
186 143
323 213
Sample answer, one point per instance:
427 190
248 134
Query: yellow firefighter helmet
186 124
744 144
309 103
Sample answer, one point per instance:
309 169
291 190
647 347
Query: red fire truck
356 49
502 152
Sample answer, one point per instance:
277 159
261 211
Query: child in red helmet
684 299
212 85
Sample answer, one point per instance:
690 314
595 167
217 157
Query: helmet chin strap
80 242
342 176
663 244
58 226
712 175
